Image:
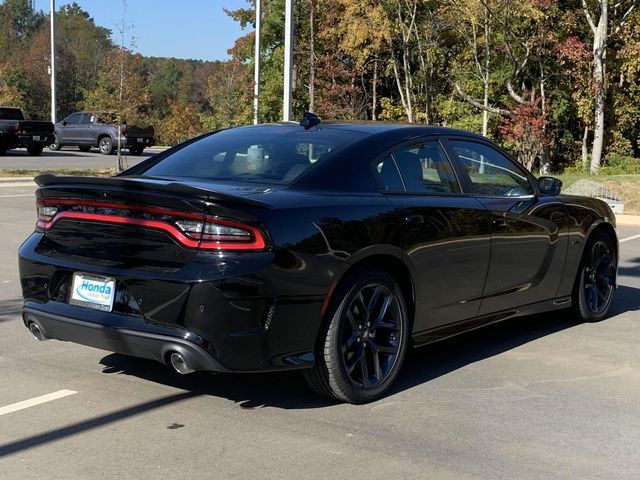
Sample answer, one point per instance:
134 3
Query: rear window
11 114
269 154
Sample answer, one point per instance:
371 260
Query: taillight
218 234
190 230
18 128
124 130
46 214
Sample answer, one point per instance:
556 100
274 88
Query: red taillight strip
258 242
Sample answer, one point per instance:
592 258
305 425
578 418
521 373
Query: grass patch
80 172
626 186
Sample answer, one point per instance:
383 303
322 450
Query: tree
605 24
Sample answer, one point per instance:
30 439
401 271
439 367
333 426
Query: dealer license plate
93 291
36 138
142 140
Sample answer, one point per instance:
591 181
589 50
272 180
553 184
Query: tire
135 151
56 145
363 340
35 150
105 145
3 150
595 282
84 148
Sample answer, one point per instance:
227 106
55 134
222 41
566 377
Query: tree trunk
600 37
585 148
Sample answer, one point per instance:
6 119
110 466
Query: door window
490 172
86 118
74 119
425 168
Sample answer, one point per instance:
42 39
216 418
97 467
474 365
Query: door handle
500 225
414 220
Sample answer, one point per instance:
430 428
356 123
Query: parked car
99 129
330 248
16 132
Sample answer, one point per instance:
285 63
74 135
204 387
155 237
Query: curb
16 179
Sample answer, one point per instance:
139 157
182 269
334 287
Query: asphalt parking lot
533 398
69 157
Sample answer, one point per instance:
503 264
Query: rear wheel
106 146
35 150
136 150
595 284
55 146
363 342
84 148
3 149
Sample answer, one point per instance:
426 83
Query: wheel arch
389 262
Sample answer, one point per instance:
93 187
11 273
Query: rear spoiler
142 183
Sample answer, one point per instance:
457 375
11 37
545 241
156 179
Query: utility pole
288 59
256 74
53 61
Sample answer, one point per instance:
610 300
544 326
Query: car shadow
288 390
9 309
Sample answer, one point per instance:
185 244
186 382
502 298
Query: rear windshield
11 114
273 154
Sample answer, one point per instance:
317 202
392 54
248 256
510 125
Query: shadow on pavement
10 309
90 424
288 390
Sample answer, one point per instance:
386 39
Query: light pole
256 75
288 59
53 61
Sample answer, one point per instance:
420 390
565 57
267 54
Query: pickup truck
99 129
16 132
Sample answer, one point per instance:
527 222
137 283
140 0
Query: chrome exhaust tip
36 331
179 364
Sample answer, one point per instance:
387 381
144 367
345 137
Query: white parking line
14 407
629 238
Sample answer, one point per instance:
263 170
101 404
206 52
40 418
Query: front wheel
362 344
35 150
595 284
106 146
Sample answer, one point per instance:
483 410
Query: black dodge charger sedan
330 248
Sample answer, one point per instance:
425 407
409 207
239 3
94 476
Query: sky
190 29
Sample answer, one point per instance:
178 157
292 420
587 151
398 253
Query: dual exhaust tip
178 361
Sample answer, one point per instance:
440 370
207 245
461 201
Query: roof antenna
310 120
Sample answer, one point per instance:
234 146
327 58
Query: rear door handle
500 225
414 220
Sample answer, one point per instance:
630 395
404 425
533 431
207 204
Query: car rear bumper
246 320
121 339
28 140
140 142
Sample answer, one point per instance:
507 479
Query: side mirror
64 123
549 185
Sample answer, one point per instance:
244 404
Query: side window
491 172
425 168
388 173
86 119
73 119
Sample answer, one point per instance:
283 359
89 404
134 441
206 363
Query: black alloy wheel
596 283
106 146
55 146
362 346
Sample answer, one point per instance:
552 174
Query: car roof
373 128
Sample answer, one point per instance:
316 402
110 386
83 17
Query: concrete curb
15 179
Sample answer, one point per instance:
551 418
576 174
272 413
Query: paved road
533 398
67 158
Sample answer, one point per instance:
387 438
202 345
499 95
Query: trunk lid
132 222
